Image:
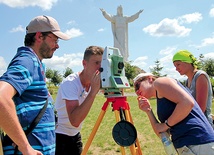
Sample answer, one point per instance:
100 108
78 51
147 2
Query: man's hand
95 83
30 151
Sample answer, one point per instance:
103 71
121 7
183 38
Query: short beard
45 51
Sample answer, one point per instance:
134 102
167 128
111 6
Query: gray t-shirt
192 90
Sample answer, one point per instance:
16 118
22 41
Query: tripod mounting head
113 72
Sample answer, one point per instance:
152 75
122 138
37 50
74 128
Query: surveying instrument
113 81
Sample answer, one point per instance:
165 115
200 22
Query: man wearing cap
197 82
23 91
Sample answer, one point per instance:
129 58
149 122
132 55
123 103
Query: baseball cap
142 75
46 24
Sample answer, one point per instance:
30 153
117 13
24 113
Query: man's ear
39 37
84 63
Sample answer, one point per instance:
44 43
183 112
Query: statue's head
120 10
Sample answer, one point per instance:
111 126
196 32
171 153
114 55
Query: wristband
166 122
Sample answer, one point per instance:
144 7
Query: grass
103 142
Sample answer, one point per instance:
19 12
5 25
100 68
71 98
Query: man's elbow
75 123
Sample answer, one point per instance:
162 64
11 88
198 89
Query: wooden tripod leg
117 116
1 148
96 126
134 148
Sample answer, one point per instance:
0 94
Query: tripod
120 105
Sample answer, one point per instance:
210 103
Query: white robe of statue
119 25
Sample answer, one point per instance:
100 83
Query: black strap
37 119
34 123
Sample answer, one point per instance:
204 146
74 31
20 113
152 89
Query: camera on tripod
112 70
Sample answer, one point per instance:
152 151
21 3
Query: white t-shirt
70 89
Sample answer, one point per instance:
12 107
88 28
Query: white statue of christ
119 25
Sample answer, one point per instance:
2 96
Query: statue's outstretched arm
106 15
102 10
140 11
133 17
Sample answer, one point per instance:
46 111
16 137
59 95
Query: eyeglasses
55 40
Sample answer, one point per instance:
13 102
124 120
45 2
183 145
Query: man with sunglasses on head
23 91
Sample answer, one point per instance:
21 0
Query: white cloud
190 18
166 59
211 12
56 62
72 22
167 27
205 42
3 65
18 29
167 50
171 72
173 27
140 62
100 30
44 4
209 55
74 32
61 62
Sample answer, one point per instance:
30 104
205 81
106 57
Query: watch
166 122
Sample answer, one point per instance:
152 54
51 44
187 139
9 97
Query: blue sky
163 28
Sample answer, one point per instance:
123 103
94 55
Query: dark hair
30 38
92 50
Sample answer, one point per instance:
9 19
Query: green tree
156 70
57 78
208 67
206 64
49 74
200 61
67 72
131 71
